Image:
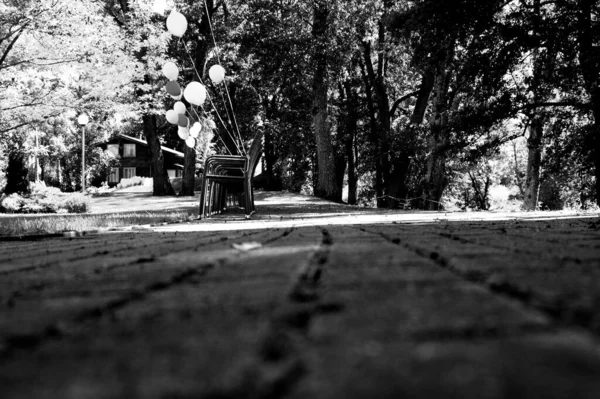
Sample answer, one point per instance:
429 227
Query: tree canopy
389 103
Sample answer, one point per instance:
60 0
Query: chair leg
248 200
202 204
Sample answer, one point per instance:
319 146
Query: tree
58 58
588 34
326 186
146 40
452 43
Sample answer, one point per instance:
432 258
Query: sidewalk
310 300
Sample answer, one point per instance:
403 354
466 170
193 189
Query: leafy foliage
427 101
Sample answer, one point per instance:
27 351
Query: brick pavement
452 309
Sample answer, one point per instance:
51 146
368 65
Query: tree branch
403 98
11 44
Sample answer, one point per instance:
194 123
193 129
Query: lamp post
83 120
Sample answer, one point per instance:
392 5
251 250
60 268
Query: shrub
40 188
40 204
103 191
12 203
76 203
45 200
134 181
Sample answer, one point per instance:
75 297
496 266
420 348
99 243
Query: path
384 307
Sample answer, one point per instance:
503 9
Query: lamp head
83 119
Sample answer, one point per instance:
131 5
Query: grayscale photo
290 199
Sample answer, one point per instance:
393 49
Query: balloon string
212 33
211 101
218 135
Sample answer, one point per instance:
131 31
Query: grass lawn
127 207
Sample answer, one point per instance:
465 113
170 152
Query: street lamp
83 120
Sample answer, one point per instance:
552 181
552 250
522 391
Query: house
134 159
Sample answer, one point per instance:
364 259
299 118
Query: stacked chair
227 179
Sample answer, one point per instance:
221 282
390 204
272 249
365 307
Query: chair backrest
255 152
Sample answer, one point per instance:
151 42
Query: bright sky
159 6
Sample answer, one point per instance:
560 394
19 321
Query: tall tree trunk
350 122
435 177
534 163
16 174
543 66
373 125
326 186
273 179
400 165
379 109
161 183
589 61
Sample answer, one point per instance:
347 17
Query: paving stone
502 309
561 365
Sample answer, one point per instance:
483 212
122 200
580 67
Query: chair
226 176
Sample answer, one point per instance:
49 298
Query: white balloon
170 70
195 93
179 107
176 23
191 142
172 117
183 133
195 129
177 98
216 73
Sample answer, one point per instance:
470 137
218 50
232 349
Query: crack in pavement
480 280
61 328
552 306
278 364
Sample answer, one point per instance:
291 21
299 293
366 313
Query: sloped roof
143 142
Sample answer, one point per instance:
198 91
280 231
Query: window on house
129 150
113 149
175 173
113 177
128 173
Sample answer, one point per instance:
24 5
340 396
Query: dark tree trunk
543 67
374 131
589 60
327 186
16 174
188 184
352 177
400 165
427 82
435 177
273 180
161 183
349 143
534 163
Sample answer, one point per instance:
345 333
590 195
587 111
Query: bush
45 200
12 203
76 203
40 204
134 181
103 191
40 188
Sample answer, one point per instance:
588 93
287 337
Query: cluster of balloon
194 93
